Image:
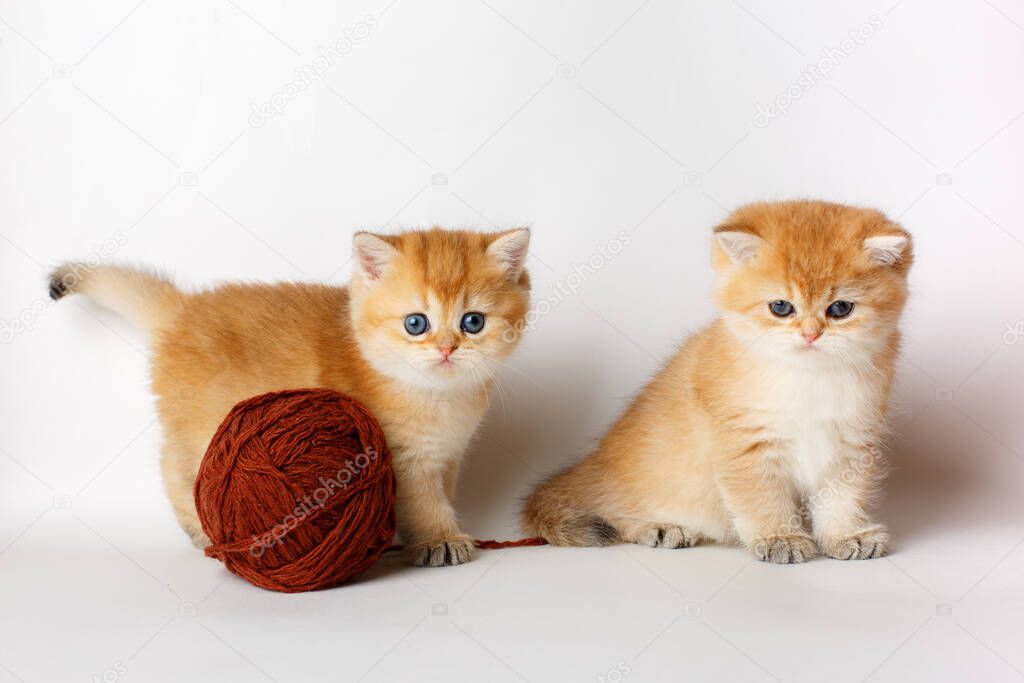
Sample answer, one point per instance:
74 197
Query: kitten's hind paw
864 545
663 536
784 548
446 552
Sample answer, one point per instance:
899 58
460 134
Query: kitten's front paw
199 538
446 552
666 536
864 545
784 548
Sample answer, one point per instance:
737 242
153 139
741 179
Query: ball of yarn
296 491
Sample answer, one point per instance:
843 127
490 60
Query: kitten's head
812 282
430 308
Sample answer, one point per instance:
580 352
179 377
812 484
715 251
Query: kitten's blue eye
472 322
416 324
781 308
839 309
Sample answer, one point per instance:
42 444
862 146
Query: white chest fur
815 415
433 429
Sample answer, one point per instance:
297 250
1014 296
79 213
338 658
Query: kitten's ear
738 245
887 250
509 250
372 254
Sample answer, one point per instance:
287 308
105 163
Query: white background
581 119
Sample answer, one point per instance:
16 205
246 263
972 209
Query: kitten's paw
665 536
865 545
446 552
197 536
784 548
199 539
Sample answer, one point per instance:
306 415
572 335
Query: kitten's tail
144 297
559 512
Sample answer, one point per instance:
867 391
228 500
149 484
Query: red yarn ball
296 490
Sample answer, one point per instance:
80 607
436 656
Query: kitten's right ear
509 250
737 244
887 250
372 254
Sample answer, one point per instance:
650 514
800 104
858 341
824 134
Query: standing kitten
417 337
766 426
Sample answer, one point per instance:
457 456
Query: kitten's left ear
509 250
888 250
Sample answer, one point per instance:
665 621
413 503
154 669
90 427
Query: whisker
514 369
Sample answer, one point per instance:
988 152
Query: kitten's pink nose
446 351
812 336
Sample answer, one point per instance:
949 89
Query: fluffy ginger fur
214 348
761 429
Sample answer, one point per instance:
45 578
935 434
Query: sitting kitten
417 337
766 426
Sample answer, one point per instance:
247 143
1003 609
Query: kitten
417 337
766 426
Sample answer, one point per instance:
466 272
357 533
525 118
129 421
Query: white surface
109 588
